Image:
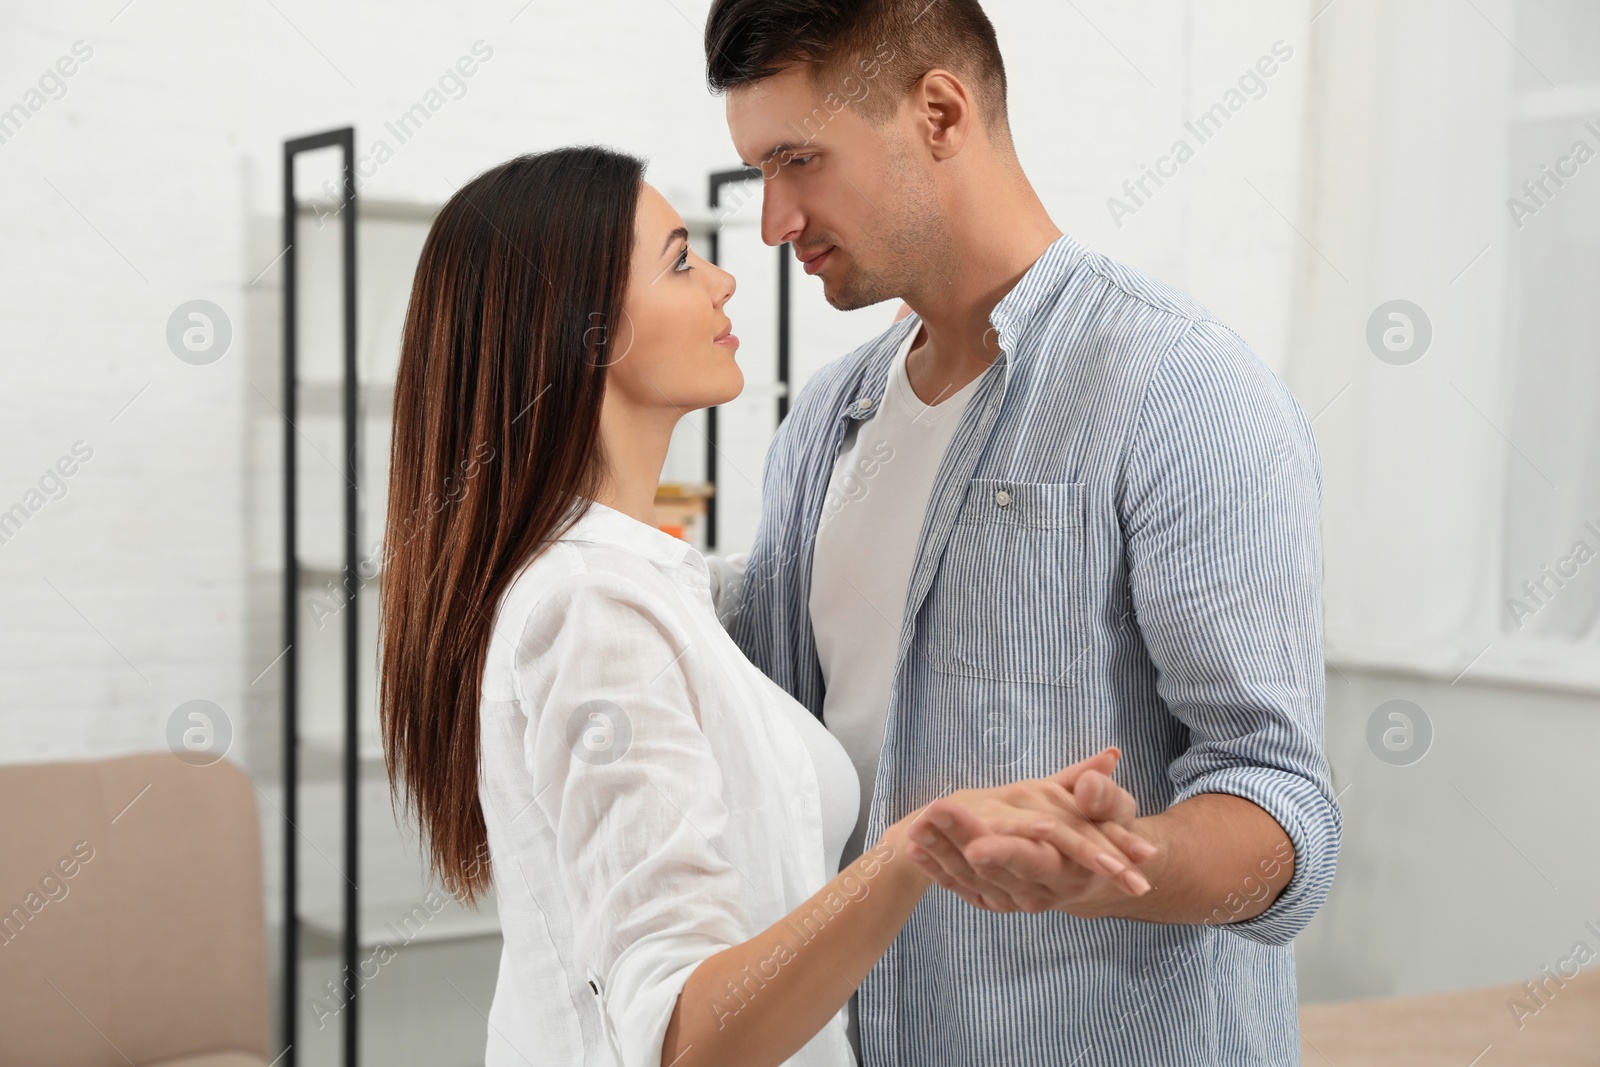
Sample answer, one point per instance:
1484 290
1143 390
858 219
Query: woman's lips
727 338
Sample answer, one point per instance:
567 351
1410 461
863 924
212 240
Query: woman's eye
682 265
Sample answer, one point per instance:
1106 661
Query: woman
660 823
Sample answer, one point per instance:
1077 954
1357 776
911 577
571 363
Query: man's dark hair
749 40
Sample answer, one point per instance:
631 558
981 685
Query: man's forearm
1220 859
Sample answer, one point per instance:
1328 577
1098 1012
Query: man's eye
800 161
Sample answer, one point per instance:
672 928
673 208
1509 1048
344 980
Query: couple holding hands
1003 744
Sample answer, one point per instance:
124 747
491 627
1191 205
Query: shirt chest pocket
1008 602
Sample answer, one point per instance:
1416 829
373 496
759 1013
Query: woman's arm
760 1001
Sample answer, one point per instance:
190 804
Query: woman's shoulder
571 598
573 588
571 572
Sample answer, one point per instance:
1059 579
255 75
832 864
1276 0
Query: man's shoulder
1202 374
1133 303
1197 343
1134 284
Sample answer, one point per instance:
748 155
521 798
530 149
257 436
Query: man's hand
1065 842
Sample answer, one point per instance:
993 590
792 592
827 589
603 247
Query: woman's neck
635 446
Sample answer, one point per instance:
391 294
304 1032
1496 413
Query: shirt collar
1010 317
864 398
600 524
1037 286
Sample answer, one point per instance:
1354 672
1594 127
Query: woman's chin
732 387
720 390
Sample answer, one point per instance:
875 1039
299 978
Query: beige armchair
132 924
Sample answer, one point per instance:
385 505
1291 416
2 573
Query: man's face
856 200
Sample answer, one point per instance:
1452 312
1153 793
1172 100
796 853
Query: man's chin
855 304
847 297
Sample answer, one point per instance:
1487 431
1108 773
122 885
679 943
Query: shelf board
675 492
373 399
384 921
319 569
371 207
325 753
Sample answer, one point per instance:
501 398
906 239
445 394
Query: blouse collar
605 525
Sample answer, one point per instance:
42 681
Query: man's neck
956 342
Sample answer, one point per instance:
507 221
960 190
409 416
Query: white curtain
1552 559
1407 150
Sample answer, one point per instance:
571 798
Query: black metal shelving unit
292 739
344 140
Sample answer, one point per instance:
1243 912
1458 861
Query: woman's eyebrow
673 236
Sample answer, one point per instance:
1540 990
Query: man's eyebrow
775 150
673 236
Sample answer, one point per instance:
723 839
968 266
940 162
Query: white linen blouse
651 798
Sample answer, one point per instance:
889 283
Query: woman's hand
1072 832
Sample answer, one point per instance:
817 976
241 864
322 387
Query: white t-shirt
862 557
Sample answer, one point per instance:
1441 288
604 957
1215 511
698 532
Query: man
1060 507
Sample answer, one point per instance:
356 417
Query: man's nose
780 218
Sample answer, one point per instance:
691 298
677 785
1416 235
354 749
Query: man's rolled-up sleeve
632 788
1220 506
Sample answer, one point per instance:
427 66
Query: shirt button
864 403
1002 498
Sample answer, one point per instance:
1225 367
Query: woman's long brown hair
496 437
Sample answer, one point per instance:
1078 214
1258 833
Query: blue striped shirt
1152 580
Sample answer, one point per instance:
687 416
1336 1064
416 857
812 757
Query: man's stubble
909 253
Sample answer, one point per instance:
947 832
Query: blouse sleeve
630 785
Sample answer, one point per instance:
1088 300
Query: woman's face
676 347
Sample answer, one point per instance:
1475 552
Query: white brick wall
154 180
